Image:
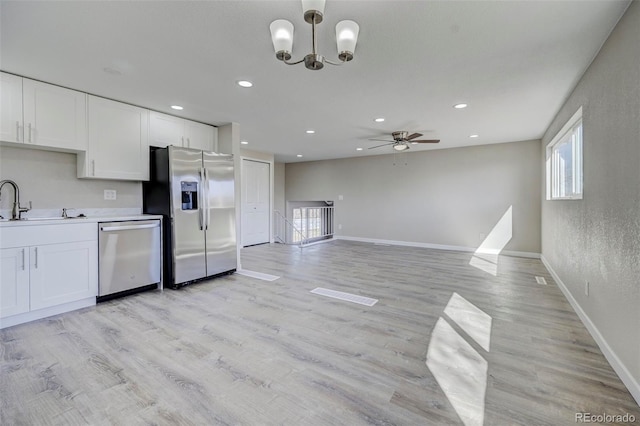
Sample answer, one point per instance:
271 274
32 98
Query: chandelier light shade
313 10
347 37
282 38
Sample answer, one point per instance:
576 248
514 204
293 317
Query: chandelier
282 37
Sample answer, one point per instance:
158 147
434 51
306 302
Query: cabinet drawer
33 235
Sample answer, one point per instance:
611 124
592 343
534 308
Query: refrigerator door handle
201 194
205 204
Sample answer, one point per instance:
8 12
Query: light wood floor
238 350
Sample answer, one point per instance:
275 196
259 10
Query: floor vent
541 281
367 301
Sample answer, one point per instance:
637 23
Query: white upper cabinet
54 116
165 130
10 108
118 141
42 115
200 136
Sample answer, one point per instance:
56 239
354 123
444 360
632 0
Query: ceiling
513 62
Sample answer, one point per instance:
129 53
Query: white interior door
255 202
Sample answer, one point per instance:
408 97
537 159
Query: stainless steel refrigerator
194 191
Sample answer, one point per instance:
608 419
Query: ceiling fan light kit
401 140
282 37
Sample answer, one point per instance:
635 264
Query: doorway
256 195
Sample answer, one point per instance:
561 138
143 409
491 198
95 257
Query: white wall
597 239
48 179
444 197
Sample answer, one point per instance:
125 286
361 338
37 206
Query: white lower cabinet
56 271
62 273
14 281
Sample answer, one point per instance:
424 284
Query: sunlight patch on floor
461 372
473 320
485 257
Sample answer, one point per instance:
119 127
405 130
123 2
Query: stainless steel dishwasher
130 257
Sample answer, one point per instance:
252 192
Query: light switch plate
110 194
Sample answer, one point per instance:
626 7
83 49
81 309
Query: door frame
271 188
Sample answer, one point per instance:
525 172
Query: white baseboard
46 312
629 381
438 246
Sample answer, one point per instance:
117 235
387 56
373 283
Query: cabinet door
165 130
10 108
118 141
199 136
62 273
14 281
54 116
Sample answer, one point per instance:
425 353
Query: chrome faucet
17 210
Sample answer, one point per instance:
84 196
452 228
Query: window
564 161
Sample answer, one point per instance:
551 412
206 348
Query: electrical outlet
340 198
340 226
110 194
586 288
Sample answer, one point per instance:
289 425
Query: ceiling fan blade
413 136
381 140
384 144
426 141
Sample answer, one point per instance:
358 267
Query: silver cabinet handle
182 140
30 133
128 227
93 167
188 143
17 131
23 259
36 261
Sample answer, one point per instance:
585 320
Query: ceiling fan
402 139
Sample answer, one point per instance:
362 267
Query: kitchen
110 141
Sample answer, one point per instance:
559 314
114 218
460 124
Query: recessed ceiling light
178 107
245 83
299 155
358 149
244 142
379 120
460 106
311 132
474 136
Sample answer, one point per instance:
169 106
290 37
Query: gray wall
278 187
445 197
597 239
48 179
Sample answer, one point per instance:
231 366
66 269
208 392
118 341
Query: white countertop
31 221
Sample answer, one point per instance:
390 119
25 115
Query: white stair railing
283 227
316 223
309 225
